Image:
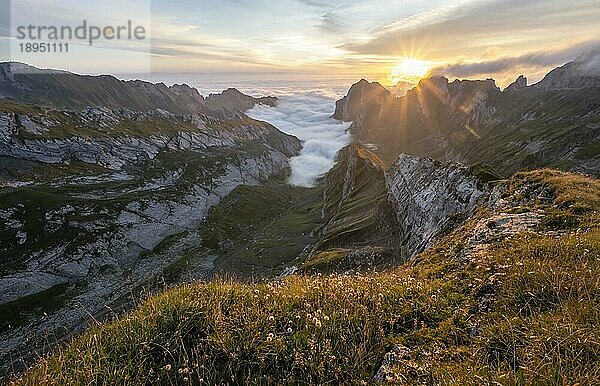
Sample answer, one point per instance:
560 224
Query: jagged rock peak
361 95
364 85
401 88
457 92
184 89
18 67
233 102
436 80
488 84
518 84
442 83
360 152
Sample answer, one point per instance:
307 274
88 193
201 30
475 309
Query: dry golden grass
527 312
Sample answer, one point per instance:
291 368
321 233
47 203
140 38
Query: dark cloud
330 22
537 59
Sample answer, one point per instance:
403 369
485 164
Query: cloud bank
307 116
540 60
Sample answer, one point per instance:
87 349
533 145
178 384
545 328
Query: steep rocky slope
510 297
95 204
357 226
473 121
581 73
355 209
431 199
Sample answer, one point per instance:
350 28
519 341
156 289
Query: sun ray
409 70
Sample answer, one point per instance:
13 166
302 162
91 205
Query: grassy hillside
522 307
257 231
71 91
61 124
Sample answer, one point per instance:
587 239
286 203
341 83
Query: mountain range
61 89
552 123
113 190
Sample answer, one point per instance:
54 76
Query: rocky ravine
75 245
376 216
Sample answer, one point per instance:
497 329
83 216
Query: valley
158 228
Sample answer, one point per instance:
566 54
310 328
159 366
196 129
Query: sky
385 40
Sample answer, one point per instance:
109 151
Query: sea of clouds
304 110
307 115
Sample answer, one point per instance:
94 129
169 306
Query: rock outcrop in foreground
430 199
375 216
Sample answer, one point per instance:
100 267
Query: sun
411 70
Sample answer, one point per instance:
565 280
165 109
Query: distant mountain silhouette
61 89
553 123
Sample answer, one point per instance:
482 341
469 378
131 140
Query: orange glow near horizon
409 70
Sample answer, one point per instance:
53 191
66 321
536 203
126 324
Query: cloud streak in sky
349 36
542 60
470 30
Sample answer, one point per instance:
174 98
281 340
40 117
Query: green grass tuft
525 312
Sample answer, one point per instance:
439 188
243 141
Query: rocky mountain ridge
518 84
65 90
474 121
97 203
583 72
373 215
114 139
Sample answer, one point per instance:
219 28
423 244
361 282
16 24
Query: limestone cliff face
355 207
358 225
30 137
90 239
430 198
374 103
361 99
96 244
518 84
375 215
426 121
